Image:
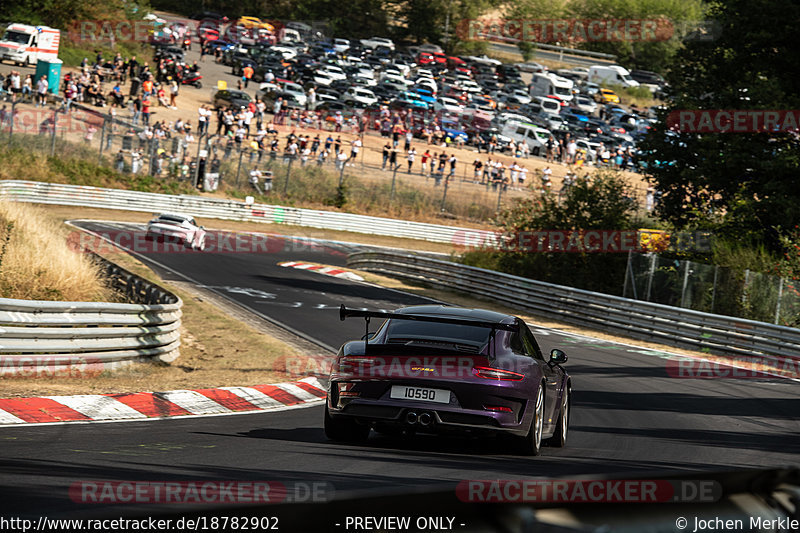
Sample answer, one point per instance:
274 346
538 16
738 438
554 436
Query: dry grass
218 349
37 263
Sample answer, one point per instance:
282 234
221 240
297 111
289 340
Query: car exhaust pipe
425 419
411 418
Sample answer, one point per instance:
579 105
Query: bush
604 203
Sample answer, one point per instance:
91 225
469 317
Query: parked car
230 98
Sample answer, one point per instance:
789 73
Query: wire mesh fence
712 289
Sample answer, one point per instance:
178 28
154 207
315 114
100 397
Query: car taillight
355 363
498 408
496 374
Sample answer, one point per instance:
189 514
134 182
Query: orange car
607 96
254 22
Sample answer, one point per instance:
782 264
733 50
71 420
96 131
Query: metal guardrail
80 337
54 193
563 50
644 320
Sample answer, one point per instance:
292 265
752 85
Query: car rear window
400 331
170 219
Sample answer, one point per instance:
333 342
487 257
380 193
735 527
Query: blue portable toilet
51 69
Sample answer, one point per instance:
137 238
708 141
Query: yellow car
254 22
607 96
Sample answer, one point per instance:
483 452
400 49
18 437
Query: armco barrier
39 338
54 193
644 320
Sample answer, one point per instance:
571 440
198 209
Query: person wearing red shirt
146 110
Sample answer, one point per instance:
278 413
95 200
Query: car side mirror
557 357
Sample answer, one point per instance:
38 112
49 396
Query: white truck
547 83
25 44
536 137
611 75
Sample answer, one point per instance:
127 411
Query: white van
549 105
25 44
535 136
611 75
544 83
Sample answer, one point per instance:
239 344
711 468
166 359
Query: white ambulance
25 44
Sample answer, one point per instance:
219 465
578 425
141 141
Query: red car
425 58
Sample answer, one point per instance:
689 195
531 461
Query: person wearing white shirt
412 154
514 174
41 91
341 158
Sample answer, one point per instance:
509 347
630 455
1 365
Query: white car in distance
375 42
177 228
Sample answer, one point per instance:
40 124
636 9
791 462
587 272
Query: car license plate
402 392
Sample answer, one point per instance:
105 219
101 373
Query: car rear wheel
344 429
531 444
559 438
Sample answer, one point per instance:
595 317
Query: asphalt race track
629 416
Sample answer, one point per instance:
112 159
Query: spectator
173 94
146 111
41 91
424 162
387 148
16 85
27 86
453 162
412 154
247 74
572 149
341 159
162 96
477 166
356 147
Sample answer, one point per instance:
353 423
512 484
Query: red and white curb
144 406
322 269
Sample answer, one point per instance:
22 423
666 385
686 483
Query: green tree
743 185
646 54
602 203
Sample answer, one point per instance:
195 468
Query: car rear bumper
429 418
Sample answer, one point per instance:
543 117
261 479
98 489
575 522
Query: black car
332 105
647 77
230 98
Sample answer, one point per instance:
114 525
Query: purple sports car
437 369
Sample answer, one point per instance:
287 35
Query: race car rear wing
345 313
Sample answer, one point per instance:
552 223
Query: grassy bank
28 157
36 262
